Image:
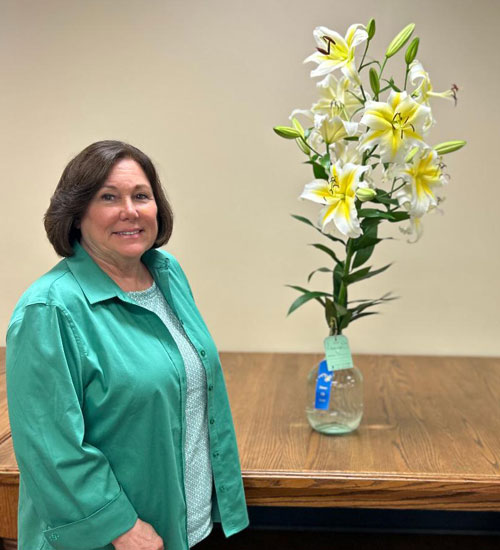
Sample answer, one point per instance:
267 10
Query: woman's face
120 222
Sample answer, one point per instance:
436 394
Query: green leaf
351 138
328 251
377 271
332 238
320 269
374 213
393 86
369 237
308 222
301 300
385 298
341 310
329 311
365 314
383 198
305 290
362 307
345 320
366 243
325 162
318 170
357 275
303 220
364 273
369 223
337 280
399 216
363 255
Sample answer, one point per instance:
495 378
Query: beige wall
198 86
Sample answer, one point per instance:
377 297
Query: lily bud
399 40
286 132
298 126
374 81
303 146
411 154
449 146
412 50
370 29
365 194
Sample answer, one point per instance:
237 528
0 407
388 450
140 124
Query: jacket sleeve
71 483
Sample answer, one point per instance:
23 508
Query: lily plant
371 159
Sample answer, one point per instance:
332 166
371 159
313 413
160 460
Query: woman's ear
77 223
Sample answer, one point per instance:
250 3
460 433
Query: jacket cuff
96 530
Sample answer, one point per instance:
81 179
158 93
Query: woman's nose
128 210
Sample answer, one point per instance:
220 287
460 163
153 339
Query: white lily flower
339 196
334 129
346 151
336 52
423 91
395 126
337 97
414 228
423 175
335 100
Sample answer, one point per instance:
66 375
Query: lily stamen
329 41
402 124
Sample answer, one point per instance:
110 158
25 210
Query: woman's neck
129 274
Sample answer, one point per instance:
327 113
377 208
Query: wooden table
429 438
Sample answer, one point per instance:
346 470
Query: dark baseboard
363 520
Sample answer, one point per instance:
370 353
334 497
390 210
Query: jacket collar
96 284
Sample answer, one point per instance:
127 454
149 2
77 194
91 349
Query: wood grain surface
429 438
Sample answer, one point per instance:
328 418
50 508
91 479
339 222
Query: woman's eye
142 196
107 197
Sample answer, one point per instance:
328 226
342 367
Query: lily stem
406 75
363 58
347 265
382 68
313 150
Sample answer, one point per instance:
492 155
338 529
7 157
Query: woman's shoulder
158 256
53 288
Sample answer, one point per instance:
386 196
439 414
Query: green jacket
96 390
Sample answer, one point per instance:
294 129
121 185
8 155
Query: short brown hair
81 180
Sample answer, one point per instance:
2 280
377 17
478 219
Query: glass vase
334 399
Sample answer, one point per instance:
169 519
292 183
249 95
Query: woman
117 403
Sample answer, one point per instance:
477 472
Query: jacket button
212 420
216 454
54 536
210 388
222 488
202 353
